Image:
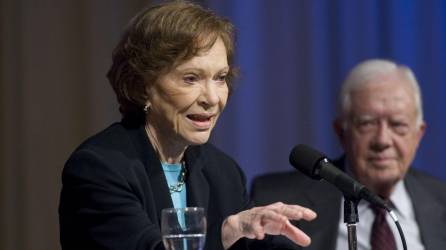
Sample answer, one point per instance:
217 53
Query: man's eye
397 124
366 125
400 127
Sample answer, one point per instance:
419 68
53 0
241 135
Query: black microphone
315 165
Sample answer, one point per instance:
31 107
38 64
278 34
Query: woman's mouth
201 121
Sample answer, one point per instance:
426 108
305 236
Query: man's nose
383 136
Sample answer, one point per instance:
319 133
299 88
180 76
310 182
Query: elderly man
379 125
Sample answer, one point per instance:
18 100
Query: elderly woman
172 73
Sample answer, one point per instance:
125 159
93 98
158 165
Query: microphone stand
351 217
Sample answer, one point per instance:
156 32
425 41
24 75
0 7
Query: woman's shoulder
116 148
113 143
113 137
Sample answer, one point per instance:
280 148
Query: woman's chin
199 138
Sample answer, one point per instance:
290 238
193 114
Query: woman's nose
209 95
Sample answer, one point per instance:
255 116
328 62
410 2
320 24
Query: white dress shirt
403 208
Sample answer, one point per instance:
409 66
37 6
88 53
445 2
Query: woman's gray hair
364 72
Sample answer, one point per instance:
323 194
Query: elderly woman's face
186 102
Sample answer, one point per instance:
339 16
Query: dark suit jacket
427 193
114 190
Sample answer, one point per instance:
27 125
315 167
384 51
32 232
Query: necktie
382 237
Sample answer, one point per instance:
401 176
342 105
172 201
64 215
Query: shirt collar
401 201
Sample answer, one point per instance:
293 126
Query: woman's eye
222 78
190 78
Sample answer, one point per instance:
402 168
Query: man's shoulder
427 180
425 188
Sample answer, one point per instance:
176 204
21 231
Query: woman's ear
147 107
148 103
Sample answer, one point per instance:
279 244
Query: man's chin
383 182
383 165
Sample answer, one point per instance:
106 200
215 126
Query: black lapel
148 156
196 182
429 213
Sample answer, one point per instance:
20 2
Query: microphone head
306 160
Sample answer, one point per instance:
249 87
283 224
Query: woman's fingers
293 212
296 235
274 223
273 219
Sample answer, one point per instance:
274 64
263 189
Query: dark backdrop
293 56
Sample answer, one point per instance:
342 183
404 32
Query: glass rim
185 209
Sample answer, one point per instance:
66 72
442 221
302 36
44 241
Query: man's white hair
368 70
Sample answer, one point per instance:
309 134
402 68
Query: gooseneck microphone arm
315 165
351 218
351 191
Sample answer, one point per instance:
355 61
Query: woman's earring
146 108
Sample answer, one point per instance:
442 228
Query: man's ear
421 131
338 127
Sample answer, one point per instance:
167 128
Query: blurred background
293 56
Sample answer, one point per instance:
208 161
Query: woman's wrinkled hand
273 219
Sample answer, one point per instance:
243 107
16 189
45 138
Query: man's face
381 135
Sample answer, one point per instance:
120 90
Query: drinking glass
183 228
